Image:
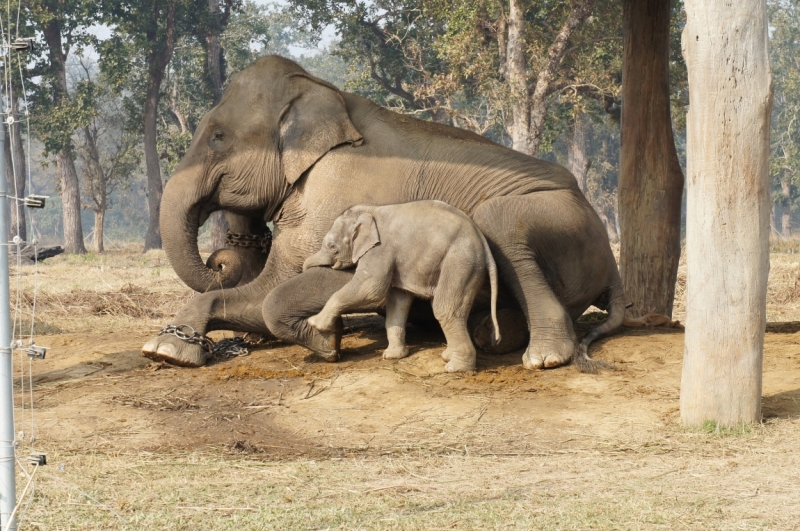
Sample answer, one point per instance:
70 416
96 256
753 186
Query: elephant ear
316 122
365 236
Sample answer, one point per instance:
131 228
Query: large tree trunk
650 177
578 149
219 229
157 60
70 203
725 44
99 221
786 210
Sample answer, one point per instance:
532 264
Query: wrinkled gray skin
426 249
286 146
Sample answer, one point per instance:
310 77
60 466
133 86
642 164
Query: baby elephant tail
616 314
490 264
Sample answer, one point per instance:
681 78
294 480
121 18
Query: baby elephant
425 248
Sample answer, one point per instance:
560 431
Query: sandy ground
552 433
282 440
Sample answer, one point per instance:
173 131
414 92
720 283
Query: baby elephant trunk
490 264
321 259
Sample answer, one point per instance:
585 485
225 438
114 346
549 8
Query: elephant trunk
321 259
180 220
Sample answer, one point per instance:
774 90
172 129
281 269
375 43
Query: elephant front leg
362 291
237 309
398 304
286 309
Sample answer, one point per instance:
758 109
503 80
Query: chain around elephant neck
262 241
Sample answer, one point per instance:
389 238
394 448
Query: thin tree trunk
786 210
70 188
650 177
544 79
16 170
725 44
70 203
578 149
515 71
219 226
214 51
9 176
99 220
157 60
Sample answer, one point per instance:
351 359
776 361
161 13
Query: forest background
114 90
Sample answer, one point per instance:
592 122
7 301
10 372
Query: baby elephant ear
365 235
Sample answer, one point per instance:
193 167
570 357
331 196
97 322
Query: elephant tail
492 266
616 314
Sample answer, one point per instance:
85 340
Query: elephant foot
175 351
323 323
395 353
327 344
548 354
513 331
459 360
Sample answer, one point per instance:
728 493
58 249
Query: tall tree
215 22
785 152
63 25
726 48
108 150
651 179
151 28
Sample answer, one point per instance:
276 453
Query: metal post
8 489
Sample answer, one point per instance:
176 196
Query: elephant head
351 236
273 123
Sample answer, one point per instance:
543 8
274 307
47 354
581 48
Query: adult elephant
287 147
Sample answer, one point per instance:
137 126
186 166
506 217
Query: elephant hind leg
452 302
506 223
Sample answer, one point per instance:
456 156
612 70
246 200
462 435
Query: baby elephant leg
363 291
398 303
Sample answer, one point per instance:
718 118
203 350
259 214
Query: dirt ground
280 439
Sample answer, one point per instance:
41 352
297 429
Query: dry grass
99 292
449 472
678 479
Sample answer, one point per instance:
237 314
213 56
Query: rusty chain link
261 241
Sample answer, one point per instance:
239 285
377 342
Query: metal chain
192 336
230 347
261 241
225 348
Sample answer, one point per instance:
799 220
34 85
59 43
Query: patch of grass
740 429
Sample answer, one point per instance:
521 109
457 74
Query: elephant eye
217 138
332 246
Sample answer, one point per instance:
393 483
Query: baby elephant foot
548 354
175 351
395 353
327 344
459 361
322 322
